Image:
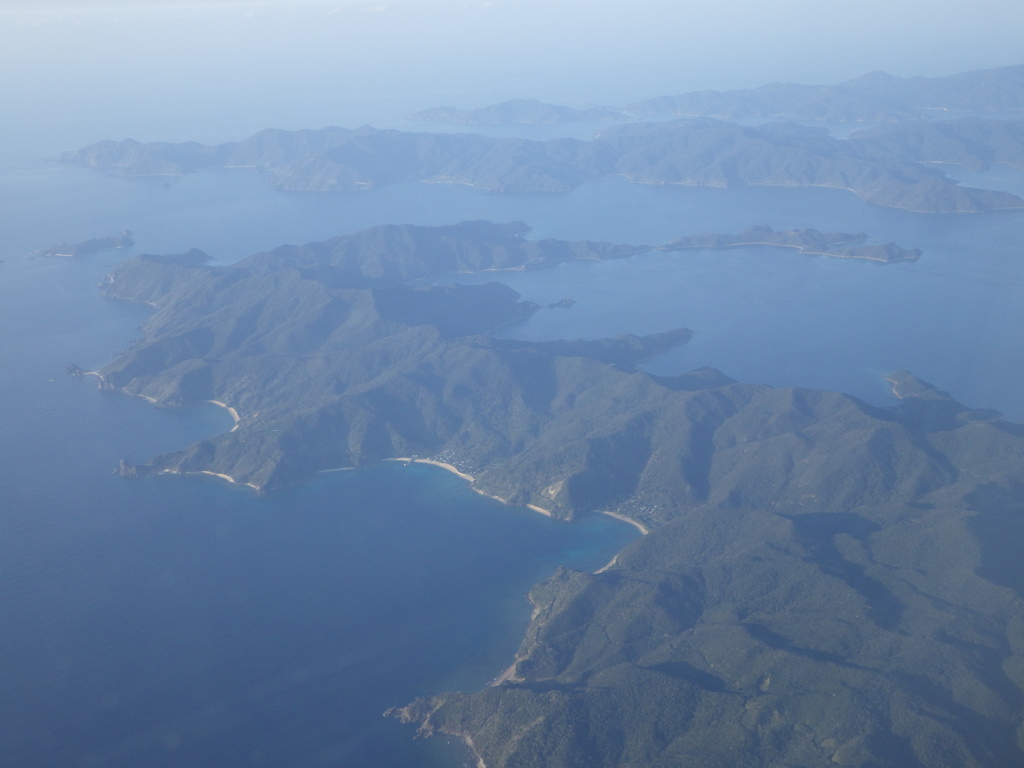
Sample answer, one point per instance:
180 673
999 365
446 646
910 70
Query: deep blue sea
182 622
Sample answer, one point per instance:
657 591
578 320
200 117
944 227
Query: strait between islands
824 582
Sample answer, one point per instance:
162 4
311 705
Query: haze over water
183 622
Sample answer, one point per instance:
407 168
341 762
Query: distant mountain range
874 97
825 582
889 166
822 582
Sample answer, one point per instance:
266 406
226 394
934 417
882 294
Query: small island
807 241
87 247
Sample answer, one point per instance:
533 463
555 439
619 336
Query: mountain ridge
881 168
822 582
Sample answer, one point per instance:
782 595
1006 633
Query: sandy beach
508 674
229 409
639 526
469 478
441 464
229 478
219 475
489 496
469 743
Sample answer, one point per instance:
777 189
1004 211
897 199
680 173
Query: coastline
210 473
636 524
467 477
234 414
472 748
507 674
451 468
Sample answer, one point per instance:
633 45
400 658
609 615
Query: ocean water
184 623
777 317
181 622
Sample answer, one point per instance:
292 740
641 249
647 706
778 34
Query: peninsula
298 334
87 247
701 152
824 582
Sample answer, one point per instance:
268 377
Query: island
875 166
821 581
87 247
288 319
806 241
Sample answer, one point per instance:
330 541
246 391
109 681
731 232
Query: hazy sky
174 68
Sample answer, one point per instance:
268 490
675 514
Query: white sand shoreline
467 477
210 473
636 524
451 468
234 414
472 748
508 674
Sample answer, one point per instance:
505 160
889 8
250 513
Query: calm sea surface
181 622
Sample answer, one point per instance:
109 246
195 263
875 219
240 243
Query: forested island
886 166
807 241
820 582
824 581
87 247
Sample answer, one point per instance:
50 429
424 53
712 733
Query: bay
179 622
182 622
